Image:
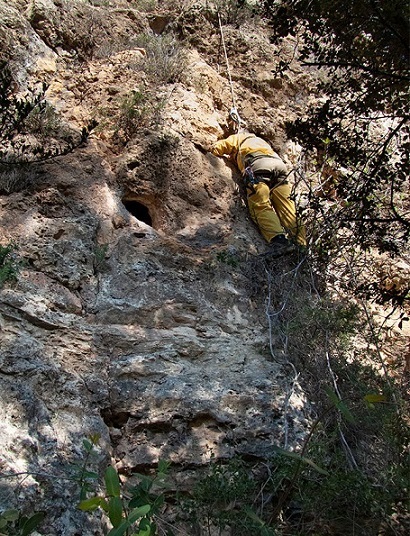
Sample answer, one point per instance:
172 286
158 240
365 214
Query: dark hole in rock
158 24
138 210
133 165
114 419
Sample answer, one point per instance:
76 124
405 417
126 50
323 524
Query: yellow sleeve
226 146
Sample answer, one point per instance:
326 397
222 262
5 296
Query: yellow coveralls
269 202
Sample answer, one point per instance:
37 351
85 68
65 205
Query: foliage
99 256
13 111
130 511
44 121
360 126
233 12
85 477
30 129
228 257
13 523
16 177
344 498
9 266
351 475
320 318
134 109
223 499
165 59
137 109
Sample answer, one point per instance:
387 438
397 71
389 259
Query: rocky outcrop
135 315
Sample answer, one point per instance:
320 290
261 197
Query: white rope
227 62
233 113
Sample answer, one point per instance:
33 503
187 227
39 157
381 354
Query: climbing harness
233 112
250 179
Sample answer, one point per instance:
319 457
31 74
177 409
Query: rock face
139 313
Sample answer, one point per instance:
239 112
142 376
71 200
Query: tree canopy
361 123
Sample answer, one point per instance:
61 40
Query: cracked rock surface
147 332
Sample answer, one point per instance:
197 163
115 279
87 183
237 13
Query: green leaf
139 512
32 523
21 521
295 456
94 438
112 482
146 483
251 514
83 492
145 524
140 498
91 474
119 531
144 532
91 504
375 398
87 445
104 505
163 466
341 406
10 515
3 522
115 511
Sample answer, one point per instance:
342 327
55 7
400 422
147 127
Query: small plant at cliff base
352 474
132 512
85 477
133 110
228 257
15 177
330 495
12 523
223 500
9 266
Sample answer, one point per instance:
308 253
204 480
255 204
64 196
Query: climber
267 186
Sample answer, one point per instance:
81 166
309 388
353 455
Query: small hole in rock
138 210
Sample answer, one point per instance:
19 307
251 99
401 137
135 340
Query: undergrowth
9 264
350 474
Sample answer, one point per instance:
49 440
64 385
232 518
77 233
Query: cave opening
139 210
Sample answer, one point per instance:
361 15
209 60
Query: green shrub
9 266
13 523
228 257
16 177
224 499
165 60
30 129
134 109
234 12
129 509
44 122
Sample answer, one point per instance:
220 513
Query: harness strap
242 142
252 157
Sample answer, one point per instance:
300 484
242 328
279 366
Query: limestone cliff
140 311
128 323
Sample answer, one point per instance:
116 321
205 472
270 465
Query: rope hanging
233 112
